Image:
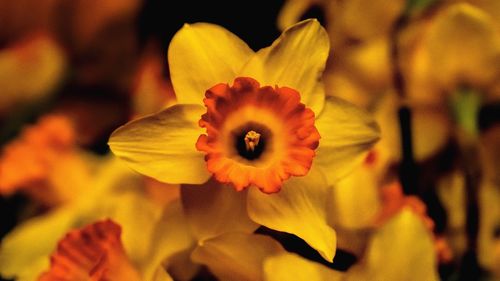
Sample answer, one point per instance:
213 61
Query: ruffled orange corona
94 252
257 135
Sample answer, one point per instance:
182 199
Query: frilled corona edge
257 135
94 252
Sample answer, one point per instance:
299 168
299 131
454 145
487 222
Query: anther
252 140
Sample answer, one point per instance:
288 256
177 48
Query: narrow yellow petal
201 55
162 145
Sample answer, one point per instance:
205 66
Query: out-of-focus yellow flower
359 33
41 162
170 146
30 69
458 46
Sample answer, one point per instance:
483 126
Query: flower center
256 135
252 140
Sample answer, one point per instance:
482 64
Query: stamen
252 140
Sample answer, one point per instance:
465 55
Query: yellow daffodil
438 60
251 120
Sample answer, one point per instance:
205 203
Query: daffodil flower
257 120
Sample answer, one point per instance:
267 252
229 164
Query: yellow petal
201 55
292 267
291 12
464 47
346 134
370 62
24 252
402 249
296 60
355 200
237 256
299 208
171 236
213 209
162 145
137 223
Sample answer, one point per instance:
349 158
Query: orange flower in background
393 200
94 252
42 160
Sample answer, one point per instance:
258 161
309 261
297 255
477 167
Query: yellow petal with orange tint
201 55
296 60
299 208
162 145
